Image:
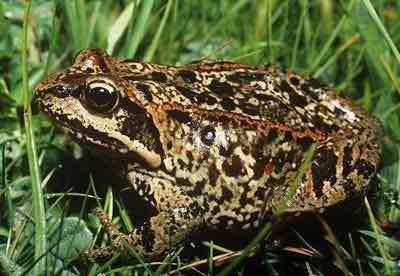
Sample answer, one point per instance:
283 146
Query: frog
212 144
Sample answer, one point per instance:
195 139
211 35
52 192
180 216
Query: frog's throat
152 158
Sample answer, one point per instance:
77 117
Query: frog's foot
148 241
177 216
119 241
113 233
98 254
107 224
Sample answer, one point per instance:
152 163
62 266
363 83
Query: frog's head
94 104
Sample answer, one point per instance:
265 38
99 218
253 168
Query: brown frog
212 144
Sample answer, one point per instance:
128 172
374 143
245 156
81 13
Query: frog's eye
100 97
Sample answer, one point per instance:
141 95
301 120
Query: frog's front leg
178 215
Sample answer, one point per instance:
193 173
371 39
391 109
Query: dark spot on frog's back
264 97
295 98
228 104
272 135
298 100
158 76
245 77
198 98
186 92
316 84
305 143
103 66
250 109
187 76
322 126
294 80
180 116
284 86
226 151
313 87
233 167
221 88
145 91
226 193
347 161
323 169
213 174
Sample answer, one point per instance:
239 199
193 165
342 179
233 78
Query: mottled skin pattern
212 144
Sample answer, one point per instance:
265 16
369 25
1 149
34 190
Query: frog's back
264 94
269 118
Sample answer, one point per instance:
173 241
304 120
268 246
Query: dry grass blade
217 260
299 250
391 74
330 236
223 46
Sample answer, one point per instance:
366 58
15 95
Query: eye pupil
100 96
101 99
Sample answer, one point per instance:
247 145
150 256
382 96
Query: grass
45 221
37 196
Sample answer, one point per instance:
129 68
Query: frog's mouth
102 133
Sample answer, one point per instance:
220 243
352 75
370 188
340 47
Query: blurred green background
350 45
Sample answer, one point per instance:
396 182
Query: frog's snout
38 92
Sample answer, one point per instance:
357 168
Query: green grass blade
118 28
154 44
83 26
269 31
378 237
353 39
52 39
260 236
210 259
37 195
330 40
330 236
92 24
297 181
5 187
140 28
73 24
382 29
394 212
298 34
221 23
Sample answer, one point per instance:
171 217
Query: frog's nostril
37 92
59 91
